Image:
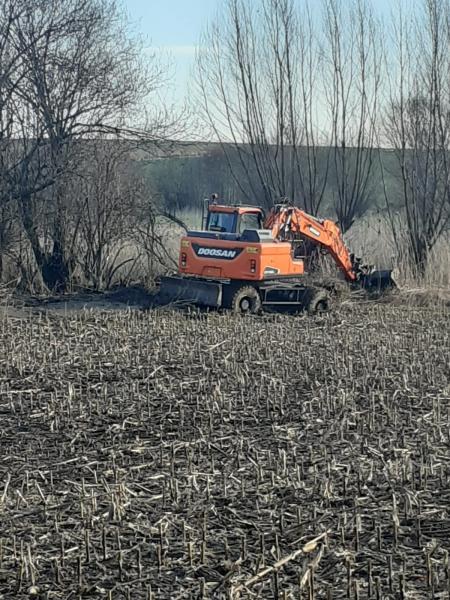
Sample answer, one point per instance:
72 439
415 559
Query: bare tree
76 74
103 210
418 124
256 81
157 239
352 51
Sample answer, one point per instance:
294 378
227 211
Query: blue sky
171 22
173 27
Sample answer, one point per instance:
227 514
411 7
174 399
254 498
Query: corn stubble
171 455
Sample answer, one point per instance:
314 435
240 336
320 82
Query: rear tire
319 302
246 300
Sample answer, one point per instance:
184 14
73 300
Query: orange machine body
244 259
241 243
235 259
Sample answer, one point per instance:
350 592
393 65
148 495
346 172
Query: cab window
250 221
222 222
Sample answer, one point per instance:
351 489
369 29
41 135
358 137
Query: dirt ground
163 454
138 297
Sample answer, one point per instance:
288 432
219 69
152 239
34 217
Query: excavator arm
290 223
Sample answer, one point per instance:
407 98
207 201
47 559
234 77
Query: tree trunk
55 270
53 267
419 256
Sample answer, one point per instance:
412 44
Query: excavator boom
288 222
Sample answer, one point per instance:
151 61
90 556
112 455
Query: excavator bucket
378 281
187 290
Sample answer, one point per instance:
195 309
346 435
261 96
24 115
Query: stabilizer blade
187 290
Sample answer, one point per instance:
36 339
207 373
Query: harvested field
168 455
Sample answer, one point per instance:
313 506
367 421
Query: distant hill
182 174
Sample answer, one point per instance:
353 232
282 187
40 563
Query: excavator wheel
318 302
246 300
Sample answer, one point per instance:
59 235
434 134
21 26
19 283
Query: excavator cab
233 219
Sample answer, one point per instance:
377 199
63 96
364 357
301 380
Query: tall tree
353 61
418 124
256 82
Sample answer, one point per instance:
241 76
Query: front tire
246 300
319 302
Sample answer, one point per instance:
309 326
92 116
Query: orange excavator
246 260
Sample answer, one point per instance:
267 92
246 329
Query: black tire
246 300
319 302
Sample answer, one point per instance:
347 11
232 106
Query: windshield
250 221
221 221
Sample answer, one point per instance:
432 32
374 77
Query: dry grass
422 297
372 239
168 455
